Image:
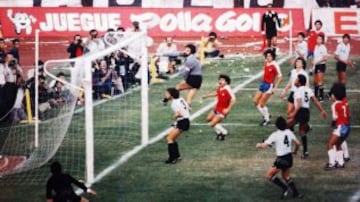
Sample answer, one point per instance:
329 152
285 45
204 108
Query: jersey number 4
286 141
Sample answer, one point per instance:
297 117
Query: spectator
12 74
15 50
18 112
123 69
166 63
2 49
94 44
76 48
210 46
269 23
103 80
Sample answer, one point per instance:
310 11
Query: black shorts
270 34
284 162
340 67
183 124
291 97
303 115
320 68
194 81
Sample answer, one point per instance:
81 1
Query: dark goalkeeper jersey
59 188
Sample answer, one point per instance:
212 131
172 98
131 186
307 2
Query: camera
12 64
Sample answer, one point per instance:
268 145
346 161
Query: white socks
340 157
344 147
264 111
332 156
220 129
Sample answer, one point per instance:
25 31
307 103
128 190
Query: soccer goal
86 111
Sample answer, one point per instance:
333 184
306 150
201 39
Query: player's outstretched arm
214 94
262 145
319 106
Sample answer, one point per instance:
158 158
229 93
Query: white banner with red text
65 22
338 21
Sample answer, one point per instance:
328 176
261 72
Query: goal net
88 112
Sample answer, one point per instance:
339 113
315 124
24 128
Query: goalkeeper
59 186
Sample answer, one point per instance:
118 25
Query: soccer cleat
329 166
222 137
264 123
171 161
285 193
337 165
347 159
218 136
304 155
298 196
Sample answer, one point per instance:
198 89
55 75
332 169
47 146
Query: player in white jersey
319 66
181 114
301 49
299 68
301 113
342 55
282 139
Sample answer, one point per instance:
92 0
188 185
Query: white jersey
181 106
301 47
304 93
293 76
319 52
343 51
282 140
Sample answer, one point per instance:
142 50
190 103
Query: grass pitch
232 170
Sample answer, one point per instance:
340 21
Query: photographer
12 75
76 47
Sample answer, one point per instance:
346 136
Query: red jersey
224 96
312 37
271 70
340 112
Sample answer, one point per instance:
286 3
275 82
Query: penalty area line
124 158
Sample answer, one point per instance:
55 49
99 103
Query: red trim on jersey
223 99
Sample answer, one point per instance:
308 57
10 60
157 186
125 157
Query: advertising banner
57 22
338 21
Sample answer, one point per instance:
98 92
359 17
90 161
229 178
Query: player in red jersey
225 101
341 123
312 37
267 87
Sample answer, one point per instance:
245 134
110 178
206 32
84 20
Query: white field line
124 158
256 125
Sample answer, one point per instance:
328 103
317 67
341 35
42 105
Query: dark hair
60 74
322 37
15 41
213 34
173 92
346 36
110 30
338 90
281 123
318 21
302 79
55 168
191 47
269 51
2 39
120 29
302 34
225 77
76 35
303 62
